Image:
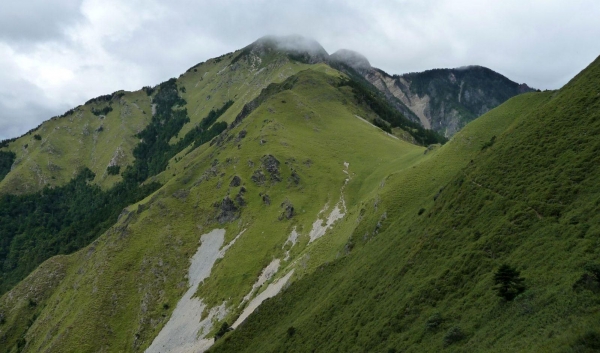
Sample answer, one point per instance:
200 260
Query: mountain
276 178
444 100
517 186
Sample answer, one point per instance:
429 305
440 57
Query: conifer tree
508 282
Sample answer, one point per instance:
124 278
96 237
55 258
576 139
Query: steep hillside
68 212
284 181
444 100
279 168
525 193
102 132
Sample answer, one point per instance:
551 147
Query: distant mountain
444 100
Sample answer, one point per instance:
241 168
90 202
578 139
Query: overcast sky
56 54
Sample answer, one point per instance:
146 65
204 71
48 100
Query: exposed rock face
235 181
443 100
239 198
271 164
258 177
228 211
294 177
266 199
288 210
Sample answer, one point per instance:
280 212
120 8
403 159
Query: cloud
63 52
27 21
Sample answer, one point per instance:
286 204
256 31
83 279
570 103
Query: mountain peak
351 58
305 49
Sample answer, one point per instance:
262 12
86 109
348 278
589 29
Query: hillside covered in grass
421 278
282 179
272 200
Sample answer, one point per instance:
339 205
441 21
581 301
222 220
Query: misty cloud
22 22
58 54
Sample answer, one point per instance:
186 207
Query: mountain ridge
322 192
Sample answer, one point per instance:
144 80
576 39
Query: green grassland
77 140
120 290
408 268
81 139
421 279
59 218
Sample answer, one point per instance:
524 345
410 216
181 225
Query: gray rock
228 211
235 181
271 164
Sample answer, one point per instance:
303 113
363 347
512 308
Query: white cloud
56 55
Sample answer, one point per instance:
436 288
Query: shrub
434 322
590 279
508 282
37 137
149 90
102 111
291 331
113 169
223 330
589 342
453 335
489 144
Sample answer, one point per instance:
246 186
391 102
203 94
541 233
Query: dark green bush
223 330
453 335
113 169
590 279
7 159
102 111
433 322
508 282
589 342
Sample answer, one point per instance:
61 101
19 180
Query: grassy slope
530 200
120 290
72 142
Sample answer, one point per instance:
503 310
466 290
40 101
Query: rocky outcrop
235 181
271 164
443 100
227 211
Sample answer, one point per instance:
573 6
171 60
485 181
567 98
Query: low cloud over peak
56 55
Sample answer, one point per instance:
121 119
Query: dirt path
338 212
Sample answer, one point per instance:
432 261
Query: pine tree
508 282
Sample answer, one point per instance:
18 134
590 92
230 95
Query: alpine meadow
281 199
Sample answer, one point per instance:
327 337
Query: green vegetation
467 92
205 131
154 151
59 220
508 282
152 154
6 160
107 109
376 102
408 267
531 199
64 219
113 169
